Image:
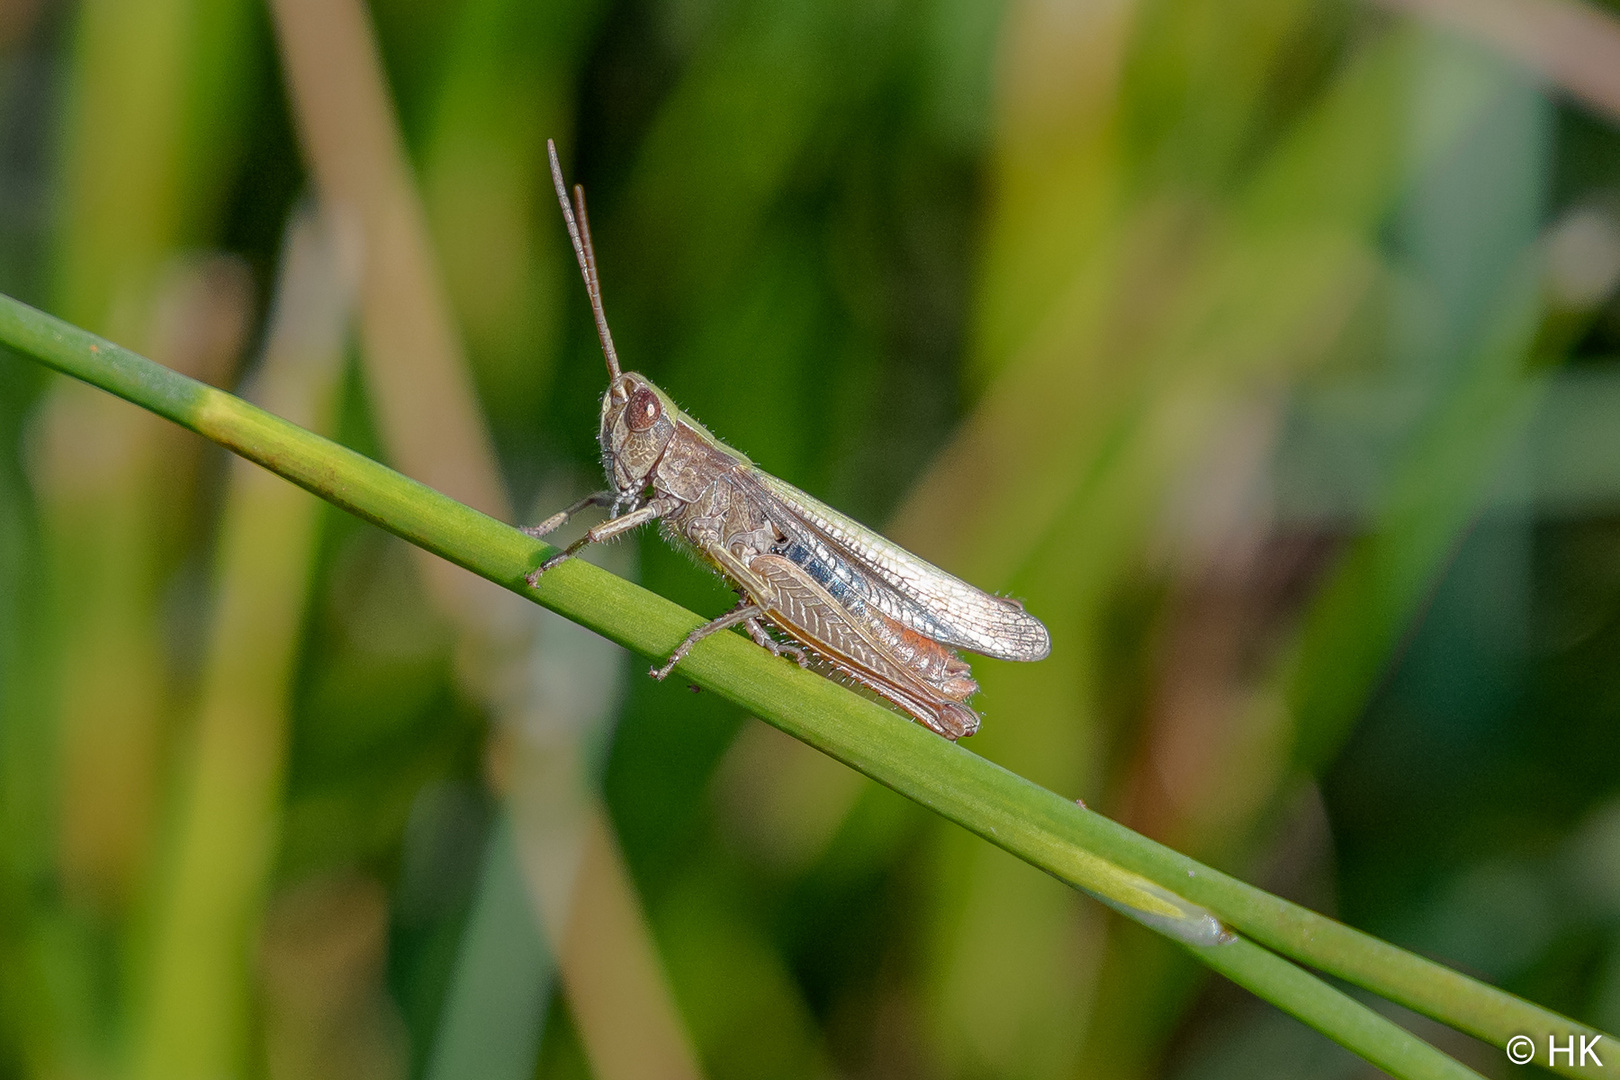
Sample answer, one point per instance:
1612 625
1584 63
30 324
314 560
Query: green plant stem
1343 1019
1066 840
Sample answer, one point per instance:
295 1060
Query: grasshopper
854 604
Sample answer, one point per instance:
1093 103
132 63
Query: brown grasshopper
859 606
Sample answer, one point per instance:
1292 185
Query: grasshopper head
638 420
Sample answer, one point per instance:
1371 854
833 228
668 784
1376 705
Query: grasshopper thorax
638 421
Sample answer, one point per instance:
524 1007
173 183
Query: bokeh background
1266 348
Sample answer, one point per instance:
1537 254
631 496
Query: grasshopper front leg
560 518
605 531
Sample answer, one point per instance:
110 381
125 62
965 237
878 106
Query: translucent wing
918 594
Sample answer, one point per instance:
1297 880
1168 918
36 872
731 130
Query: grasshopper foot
794 653
763 639
533 576
546 527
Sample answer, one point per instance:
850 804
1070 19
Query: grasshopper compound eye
643 411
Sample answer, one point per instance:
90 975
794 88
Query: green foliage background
1233 338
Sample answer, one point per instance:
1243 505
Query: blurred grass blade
1036 825
1573 44
117 497
490 1029
1488 273
510 71
326 1010
155 125
352 142
212 883
432 427
1054 485
1357 620
617 987
547 759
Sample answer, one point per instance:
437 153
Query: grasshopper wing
893 580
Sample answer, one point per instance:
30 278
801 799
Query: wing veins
918 594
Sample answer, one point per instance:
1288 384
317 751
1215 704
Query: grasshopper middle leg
744 612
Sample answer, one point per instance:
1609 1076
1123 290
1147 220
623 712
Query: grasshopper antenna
579 231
